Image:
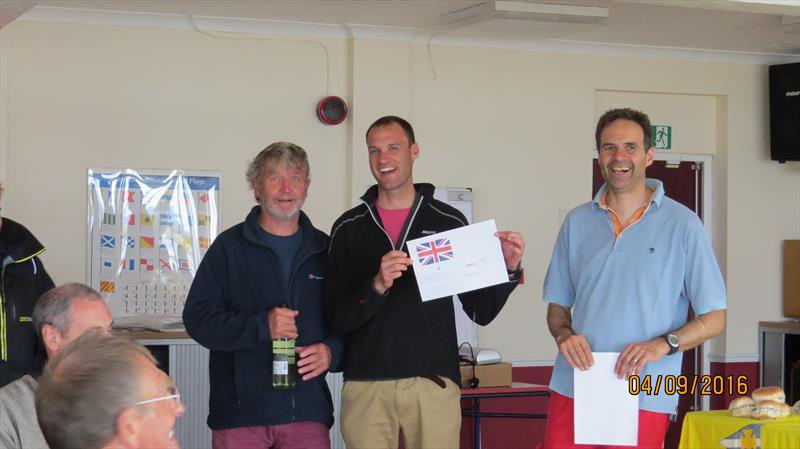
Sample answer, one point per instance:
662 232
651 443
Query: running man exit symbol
662 137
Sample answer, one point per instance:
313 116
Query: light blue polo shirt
633 288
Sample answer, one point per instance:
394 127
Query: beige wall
516 126
89 96
692 117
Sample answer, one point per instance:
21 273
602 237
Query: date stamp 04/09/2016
704 385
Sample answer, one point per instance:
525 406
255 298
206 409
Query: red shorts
560 428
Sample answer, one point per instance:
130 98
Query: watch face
672 339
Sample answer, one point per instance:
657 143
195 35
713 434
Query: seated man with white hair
107 392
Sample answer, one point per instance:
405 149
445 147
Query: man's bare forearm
559 321
700 329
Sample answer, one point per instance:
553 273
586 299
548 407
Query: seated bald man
60 316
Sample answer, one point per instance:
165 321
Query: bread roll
769 394
742 406
771 409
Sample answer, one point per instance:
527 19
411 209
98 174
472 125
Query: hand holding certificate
457 261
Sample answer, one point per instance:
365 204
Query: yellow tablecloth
708 430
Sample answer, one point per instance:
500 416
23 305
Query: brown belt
435 379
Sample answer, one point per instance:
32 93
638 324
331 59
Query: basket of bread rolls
763 403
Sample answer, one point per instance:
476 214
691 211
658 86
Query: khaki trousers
373 413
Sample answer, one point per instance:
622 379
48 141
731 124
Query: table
705 430
517 389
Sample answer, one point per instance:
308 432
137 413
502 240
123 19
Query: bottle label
280 367
284 346
281 346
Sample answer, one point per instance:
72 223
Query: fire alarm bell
331 110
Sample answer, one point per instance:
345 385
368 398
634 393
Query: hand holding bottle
314 360
281 322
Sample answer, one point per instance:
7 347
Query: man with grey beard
262 280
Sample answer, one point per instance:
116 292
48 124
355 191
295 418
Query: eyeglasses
174 395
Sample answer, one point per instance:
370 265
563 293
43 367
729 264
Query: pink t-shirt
393 221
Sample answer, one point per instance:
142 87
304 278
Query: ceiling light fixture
521 10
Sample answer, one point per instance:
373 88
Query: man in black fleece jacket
401 367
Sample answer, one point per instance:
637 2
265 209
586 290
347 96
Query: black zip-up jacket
397 335
236 285
23 280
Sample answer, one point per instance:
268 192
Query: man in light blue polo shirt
624 270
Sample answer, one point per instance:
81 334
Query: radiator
335 384
189 368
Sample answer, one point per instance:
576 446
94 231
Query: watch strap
516 274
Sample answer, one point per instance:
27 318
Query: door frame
707 161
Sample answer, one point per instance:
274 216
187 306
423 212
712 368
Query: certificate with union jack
457 261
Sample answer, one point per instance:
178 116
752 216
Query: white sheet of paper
457 261
605 413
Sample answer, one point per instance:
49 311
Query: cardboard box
494 375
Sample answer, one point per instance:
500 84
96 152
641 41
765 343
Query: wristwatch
672 341
515 274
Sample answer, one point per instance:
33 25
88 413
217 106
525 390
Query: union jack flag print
434 251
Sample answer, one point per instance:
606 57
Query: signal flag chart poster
147 232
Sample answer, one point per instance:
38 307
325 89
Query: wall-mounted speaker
784 112
331 110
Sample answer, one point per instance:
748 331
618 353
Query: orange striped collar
616 224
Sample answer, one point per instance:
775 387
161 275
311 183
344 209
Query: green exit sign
662 137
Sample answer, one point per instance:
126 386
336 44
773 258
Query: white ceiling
769 27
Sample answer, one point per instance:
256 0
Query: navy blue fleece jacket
237 284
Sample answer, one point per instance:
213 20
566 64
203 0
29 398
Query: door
683 182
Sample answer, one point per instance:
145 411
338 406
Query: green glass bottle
283 363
